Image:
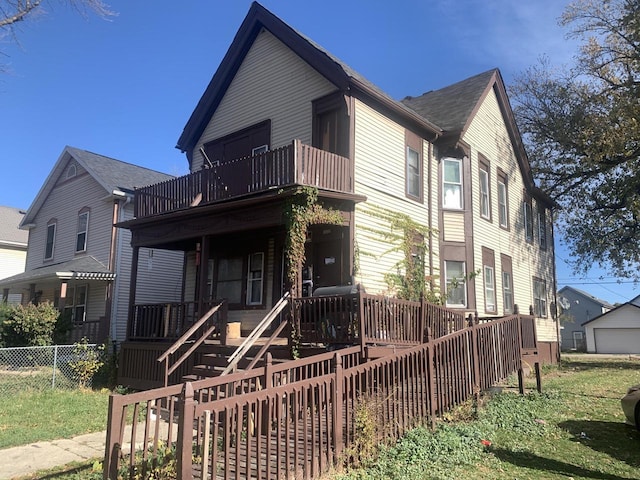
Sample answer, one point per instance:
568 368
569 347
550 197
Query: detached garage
617 331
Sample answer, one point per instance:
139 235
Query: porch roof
82 268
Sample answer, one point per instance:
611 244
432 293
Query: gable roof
337 72
630 305
10 234
113 175
587 295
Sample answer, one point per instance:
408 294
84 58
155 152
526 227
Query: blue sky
125 87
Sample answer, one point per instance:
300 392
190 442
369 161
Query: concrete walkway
27 459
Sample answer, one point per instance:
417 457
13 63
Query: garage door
617 340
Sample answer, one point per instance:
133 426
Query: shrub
29 325
87 360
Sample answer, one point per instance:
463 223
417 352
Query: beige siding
379 174
272 83
546 330
453 227
488 136
12 261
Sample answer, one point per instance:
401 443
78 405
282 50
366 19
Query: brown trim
414 142
485 166
489 260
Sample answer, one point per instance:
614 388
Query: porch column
32 293
63 295
203 274
132 288
5 295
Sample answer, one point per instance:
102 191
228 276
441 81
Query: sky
125 86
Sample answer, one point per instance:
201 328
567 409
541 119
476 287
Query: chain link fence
41 368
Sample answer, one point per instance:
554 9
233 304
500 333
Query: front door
326 261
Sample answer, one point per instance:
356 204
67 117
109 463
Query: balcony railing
295 164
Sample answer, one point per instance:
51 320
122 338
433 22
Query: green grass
536 436
32 416
574 429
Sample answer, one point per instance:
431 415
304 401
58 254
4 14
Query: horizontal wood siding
64 202
272 83
12 261
453 227
487 135
380 156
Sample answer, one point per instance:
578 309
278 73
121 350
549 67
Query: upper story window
455 283
331 124
452 183
539 297
483 189
542 227
413 166
83 227
527 213
51 240
503 201
71 171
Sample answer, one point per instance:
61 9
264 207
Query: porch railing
297 419
294 164
164 321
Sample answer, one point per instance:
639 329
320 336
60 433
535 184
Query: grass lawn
573 430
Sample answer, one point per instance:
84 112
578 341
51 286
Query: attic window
71 171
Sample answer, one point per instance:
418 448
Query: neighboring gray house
577 307
13 245
616 331
78 259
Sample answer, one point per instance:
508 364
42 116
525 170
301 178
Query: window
503 210
76 303
255 275
507 284
81 235
527 212
507 292
484 186
413 173
259 150
239 279
71 171
489 289
331 124
455 281
539 298
452 183
542 227
51 239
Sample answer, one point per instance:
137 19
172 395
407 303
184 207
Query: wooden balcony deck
294 164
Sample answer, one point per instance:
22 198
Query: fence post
520 370
268 384
422 320
55 365
362 322
186 404
113 442
337 408
432 378
475 352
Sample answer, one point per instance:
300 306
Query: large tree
581 124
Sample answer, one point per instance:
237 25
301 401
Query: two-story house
13 246
576 308
282 113
77 258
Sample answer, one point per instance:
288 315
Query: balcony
294 164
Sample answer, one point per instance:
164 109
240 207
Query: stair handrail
248 342
183 339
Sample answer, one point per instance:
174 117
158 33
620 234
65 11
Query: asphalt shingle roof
10 219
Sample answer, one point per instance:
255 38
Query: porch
294 164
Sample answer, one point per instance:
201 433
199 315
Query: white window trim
503 206
258 150
490 289
527 214
459 183
410 176
542 228
507 289
251 280
485 206
85 232
53 240
540 298
462 281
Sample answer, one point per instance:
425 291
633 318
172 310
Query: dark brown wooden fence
297 419
294 164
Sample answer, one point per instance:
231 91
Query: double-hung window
413 173
542 227
484 186
489 289
239 279
455 282
527 213
539 297
76 303
50 241
452 183
255 278
503 204
507 284
81 235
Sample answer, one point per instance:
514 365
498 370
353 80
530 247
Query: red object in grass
486 443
